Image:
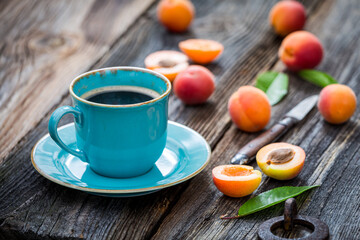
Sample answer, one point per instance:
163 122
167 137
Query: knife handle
245 154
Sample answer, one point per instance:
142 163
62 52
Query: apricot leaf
274 84
318 78
270 198
265 79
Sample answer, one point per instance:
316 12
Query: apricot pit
282 161
281 155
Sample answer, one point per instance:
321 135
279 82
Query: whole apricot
236 180
301 50
282 161
337 103
287 16
194 85
249 109
175 15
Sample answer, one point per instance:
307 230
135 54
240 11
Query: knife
299 112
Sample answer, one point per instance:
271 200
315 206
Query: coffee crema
120 95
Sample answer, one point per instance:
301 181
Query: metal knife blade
303 108
295 115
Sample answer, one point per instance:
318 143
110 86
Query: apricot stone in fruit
337 103
249 109
167 62
301 50
282 161
194 85
236 180
287 16
175 15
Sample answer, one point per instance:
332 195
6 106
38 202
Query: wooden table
45 44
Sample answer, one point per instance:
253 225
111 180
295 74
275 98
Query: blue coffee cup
118 141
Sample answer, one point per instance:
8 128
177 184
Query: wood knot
281 155
63 43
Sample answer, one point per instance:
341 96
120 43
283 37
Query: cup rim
124 68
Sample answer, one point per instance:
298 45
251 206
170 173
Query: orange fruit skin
287 16
283 171
337 103
175 15
201 51
236 180
249 109
301 50
194 85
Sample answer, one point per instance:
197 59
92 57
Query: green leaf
274 84
278 88
265 79
318 78
270 198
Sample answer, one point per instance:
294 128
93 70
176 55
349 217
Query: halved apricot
236 180
282 161
169 63
201 50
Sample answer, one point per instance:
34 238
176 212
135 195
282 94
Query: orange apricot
236 180
282 161
301 50
194 85
201 51
337 103
287 16
168 63
249 109
175 15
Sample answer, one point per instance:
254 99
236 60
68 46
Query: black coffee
116 97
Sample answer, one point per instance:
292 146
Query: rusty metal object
319 228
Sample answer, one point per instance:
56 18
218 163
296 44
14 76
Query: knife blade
298 113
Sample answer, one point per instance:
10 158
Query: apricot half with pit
282 161
167 62
236 180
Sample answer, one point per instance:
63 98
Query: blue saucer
185 155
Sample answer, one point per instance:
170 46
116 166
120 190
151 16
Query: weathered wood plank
332 153
131 51
191 210
44 45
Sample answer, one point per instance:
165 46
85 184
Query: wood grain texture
325 145
32 207
44 45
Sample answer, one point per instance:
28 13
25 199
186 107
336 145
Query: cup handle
53 124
